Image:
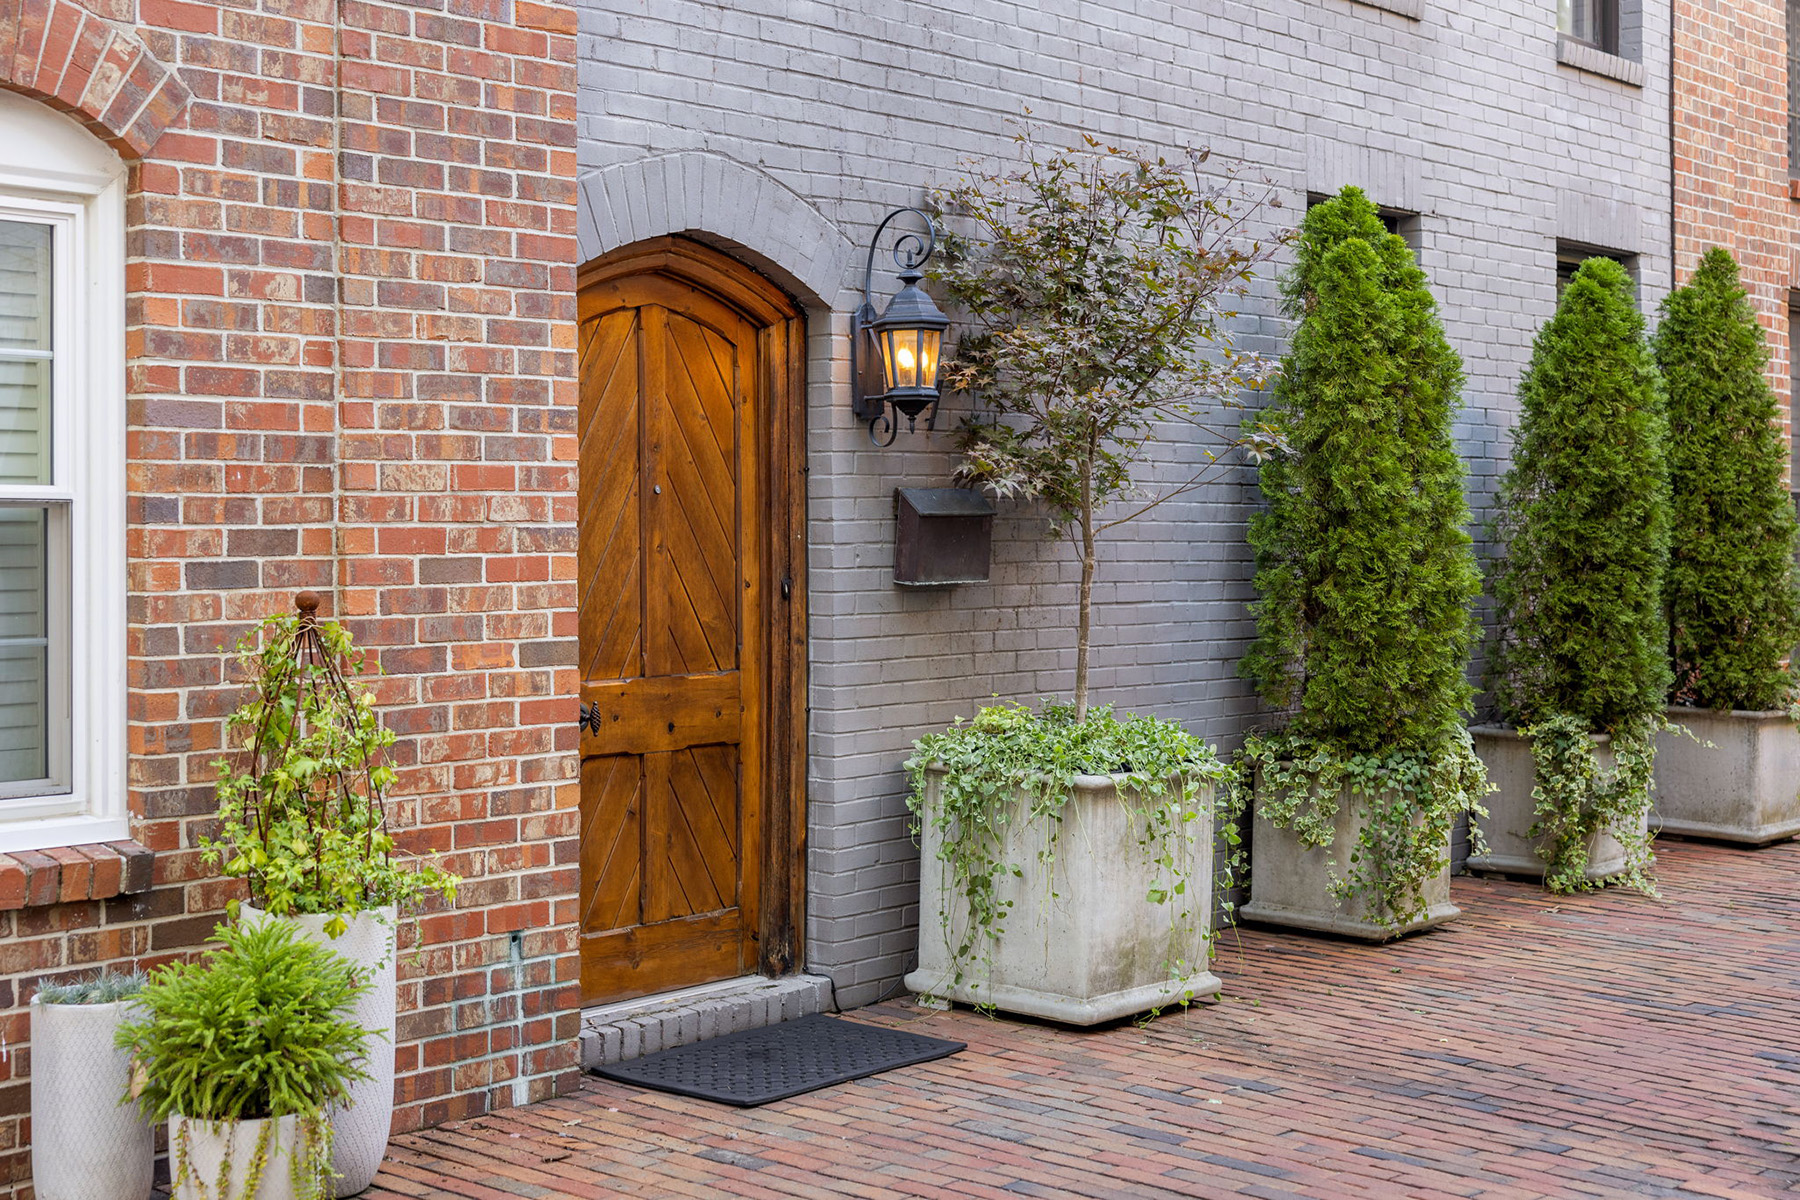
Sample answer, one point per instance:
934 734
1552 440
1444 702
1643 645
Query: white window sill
62 831
1415 9
1583 57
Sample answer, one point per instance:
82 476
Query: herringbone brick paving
1607 1045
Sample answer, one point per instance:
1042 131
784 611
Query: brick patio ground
1608 1045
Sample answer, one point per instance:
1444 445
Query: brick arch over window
98 73
714 199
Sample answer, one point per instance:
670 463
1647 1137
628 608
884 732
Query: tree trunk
1084 622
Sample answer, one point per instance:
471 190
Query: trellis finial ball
307 602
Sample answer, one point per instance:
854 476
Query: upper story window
1594 22
62 518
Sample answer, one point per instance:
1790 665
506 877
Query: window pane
25 659
24 285
24 420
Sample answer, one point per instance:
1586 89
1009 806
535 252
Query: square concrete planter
1290 882
1082 943
1743 788
1512 811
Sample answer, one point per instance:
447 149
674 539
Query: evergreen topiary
1730 593
1584 516
1364 567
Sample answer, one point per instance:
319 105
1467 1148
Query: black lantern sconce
894 356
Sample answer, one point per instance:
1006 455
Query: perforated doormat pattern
792 1058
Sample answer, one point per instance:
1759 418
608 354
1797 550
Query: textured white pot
359 1129
1744 788
1512 811
88 1143
211 1144
1098 948
1290 882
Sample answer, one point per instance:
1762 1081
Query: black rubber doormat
757 1066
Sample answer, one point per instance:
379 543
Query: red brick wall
354 372
1731 153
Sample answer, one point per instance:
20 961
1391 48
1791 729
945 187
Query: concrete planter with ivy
1732 777
1056 893
1510 846
89 1141
1304 883
1365 578
1731 594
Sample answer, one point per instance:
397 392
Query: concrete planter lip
1093 783
1512 731
1062 958
1741 714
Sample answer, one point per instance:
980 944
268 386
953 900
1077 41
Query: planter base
1082 942
1069 1010
1338 925
1743 789
1512 811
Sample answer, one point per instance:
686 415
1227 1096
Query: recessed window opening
1395 220
1570 256
1593 22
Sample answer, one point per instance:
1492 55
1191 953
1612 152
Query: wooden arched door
692 619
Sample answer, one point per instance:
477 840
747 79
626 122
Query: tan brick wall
1731 153
351 366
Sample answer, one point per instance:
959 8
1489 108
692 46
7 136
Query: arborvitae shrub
1730 591
1364 569
1363 564
1583 515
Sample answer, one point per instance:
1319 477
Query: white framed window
62 482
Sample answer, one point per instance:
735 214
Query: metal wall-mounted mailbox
942 536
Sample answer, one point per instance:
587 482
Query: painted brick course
784 132
350 367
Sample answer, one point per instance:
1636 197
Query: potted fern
1067 853
1579 668
1366 579
89 1140
242 1053
303 820
1730 595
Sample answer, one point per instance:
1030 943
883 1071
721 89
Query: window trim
88 461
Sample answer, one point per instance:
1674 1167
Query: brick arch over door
725 203
692 615
100 74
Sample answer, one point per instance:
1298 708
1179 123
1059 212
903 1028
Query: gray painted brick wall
784 129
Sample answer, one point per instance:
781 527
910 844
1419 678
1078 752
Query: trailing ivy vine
1575 798
1011 767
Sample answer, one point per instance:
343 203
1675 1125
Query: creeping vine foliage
1012 768
301 813
1730 594
1365 572
1584 515
257 1029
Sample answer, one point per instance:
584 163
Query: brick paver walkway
1604 1045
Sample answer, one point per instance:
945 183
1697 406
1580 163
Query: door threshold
633 1028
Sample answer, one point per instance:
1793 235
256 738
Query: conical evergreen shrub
1730 593
1365 571
1583 515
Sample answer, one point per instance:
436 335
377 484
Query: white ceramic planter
211 1144
88 1143
1098 948
359 1129
1290 882
1744 788
1512 811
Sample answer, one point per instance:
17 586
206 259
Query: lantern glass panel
909 357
